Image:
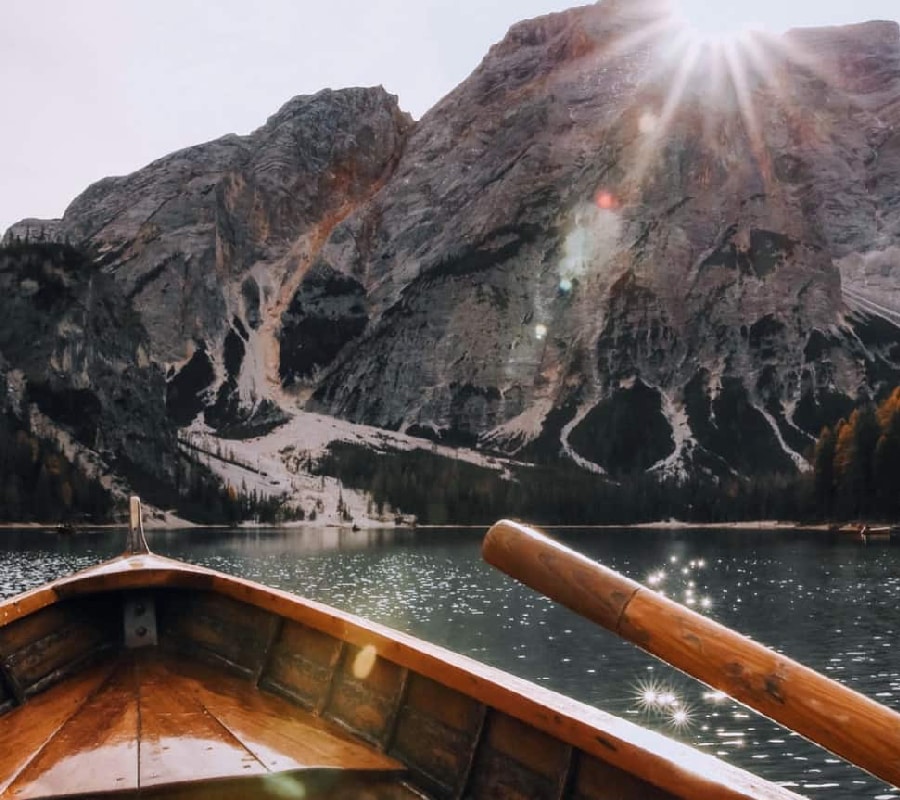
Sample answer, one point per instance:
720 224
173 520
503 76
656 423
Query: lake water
831 604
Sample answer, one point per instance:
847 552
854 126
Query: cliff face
598 245
577 244
74 359
208 243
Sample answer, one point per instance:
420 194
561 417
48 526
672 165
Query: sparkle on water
826 602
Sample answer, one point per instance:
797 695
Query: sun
716 24
715 59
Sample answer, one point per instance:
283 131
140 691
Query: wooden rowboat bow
146 677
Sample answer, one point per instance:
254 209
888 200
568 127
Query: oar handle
843 721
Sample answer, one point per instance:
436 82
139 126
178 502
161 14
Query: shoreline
368 525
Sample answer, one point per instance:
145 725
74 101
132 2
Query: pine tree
886 464
823 471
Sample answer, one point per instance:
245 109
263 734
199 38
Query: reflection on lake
831 604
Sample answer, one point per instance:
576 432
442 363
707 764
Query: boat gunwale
666 763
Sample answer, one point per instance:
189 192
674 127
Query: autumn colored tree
857 465
887 455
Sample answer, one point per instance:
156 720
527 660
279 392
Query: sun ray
649 147
633 41
715 89
739 79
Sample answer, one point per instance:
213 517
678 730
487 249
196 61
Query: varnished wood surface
25 731
151 721
845 722
648 756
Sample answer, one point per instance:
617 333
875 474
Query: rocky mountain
75 366
614 244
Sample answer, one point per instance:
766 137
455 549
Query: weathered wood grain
597 780
435 732
217 628
38 650
364 693
517 762
301 664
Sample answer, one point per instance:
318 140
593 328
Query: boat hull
427 721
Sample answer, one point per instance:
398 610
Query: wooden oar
845 722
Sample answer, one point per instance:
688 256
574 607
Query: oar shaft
824 711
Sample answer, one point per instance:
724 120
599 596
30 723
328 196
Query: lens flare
284 786
648 122
364 662
605 201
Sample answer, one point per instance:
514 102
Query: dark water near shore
831 604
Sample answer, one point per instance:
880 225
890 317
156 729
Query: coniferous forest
855 474
856 466
40 484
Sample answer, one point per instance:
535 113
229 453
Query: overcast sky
91 88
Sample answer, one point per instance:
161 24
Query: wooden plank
276 624
452 709
501 775
279 734
95 750
179 739
301 664
466 773
597 780
538 752
211 625
365 692
435 734
390 729
40 649
11 693
26 730
49 657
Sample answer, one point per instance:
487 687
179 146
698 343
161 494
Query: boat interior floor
150 724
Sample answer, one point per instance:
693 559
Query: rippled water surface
831 604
